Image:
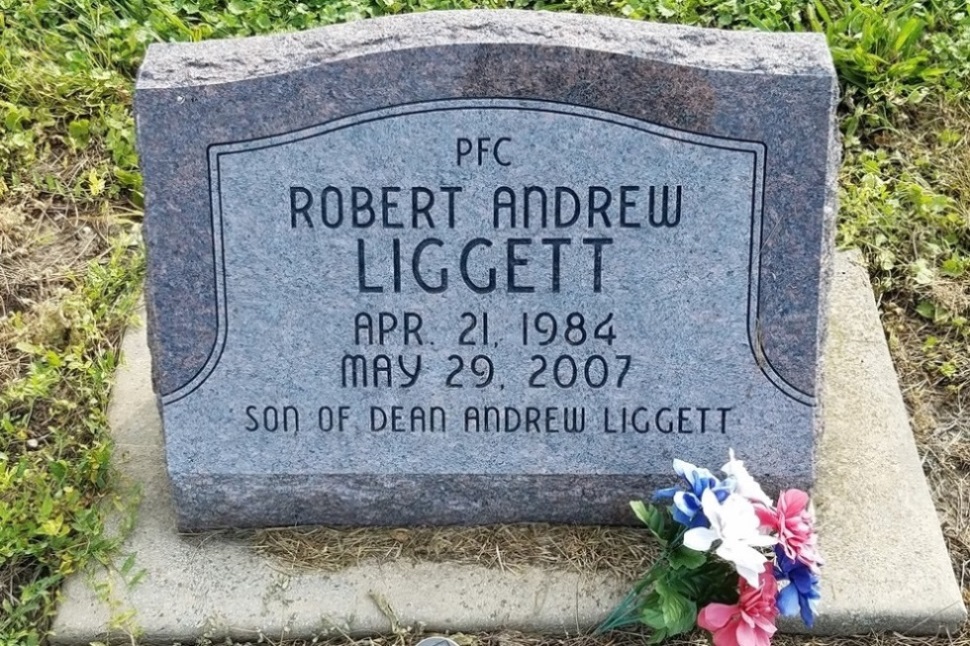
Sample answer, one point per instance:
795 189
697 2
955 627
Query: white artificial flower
735 524
746 485
690 472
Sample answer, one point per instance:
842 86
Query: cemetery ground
71 265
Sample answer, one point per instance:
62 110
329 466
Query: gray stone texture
227 288
886 569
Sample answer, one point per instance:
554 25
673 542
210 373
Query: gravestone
485 266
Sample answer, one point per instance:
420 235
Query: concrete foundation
886 569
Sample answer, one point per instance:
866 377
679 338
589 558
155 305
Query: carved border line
757 149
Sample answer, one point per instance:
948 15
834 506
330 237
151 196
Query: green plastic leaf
715 581
679 612
686 558
652 517
653 617
640 511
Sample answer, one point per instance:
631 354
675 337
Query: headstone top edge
171 65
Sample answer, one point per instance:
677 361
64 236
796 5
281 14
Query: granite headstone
483 266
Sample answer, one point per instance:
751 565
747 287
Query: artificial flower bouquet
732 559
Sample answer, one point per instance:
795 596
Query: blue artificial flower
687 504
801 595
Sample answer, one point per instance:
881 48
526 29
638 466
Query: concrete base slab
887 568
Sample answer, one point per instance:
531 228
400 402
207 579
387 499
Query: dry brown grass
43 245
940 406
617 638
621 551
941 424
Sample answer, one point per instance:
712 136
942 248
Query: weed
907 205
54 456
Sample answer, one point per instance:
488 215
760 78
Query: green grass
68 162
54 452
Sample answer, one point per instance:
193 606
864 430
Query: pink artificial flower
749 622
794 525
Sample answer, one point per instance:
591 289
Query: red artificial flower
794 526
749 622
